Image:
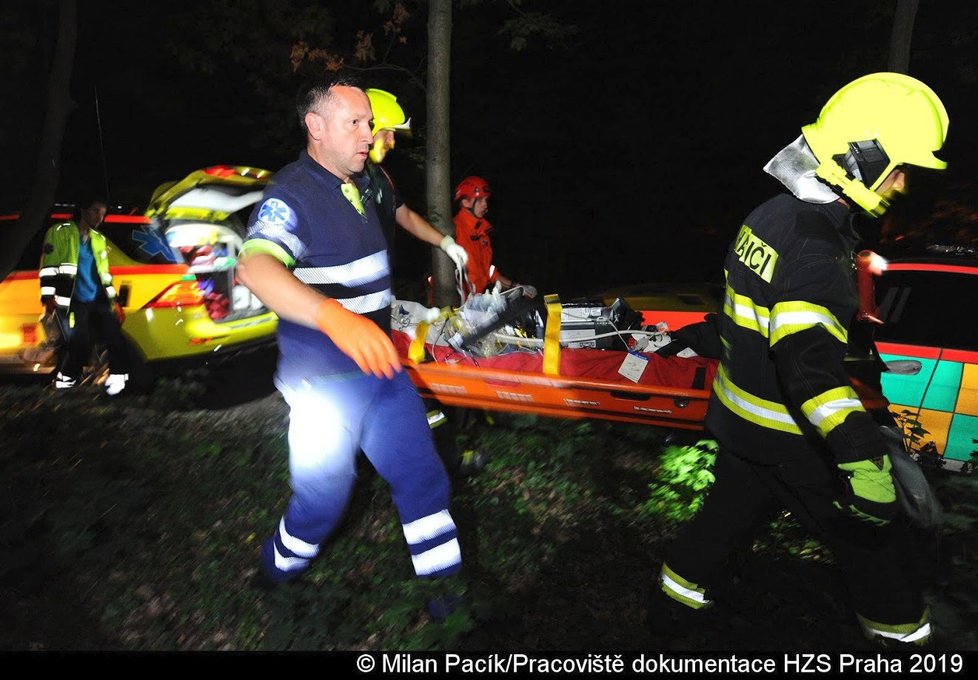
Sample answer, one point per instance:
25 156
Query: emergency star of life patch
276 212
756 255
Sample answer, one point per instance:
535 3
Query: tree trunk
437 152
903 20
47 173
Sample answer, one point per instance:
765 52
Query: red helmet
472 187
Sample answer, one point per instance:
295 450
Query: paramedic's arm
421 229
357 336
278 288
417 226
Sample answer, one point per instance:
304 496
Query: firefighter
472 231
77 286
388 119
792 432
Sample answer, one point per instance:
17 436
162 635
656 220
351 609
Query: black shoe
265 583
667 617
446 595
472 463
441 607
261 582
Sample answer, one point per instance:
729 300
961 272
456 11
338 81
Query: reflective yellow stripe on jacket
825 411
743 312
750 407
796 316
786 318
828 410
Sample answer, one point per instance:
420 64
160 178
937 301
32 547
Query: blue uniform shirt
305 220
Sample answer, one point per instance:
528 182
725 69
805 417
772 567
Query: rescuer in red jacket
472 233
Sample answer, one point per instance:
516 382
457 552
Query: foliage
129 526
211 40
924 451
684 474
527 25
913 432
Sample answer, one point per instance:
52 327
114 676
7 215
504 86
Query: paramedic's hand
454 251
50 306
359 338
870 495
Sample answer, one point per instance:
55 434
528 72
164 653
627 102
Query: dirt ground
571 583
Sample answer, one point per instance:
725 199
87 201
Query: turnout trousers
746 495
330 421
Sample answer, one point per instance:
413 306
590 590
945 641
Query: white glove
528 290
454 251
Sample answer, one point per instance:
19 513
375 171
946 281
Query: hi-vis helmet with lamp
472 187
871 126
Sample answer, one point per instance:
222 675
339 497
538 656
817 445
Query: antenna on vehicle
101 146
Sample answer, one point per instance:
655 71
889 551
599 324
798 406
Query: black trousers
92 321
747 495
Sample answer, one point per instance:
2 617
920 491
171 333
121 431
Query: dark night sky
628 154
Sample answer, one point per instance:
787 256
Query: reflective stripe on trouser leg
324 428
682 591
737 504
917 633
398 442
874 561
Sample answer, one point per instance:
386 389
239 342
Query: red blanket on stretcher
598 364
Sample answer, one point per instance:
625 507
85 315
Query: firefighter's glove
50 305
359 338
528 290
869 494
455 252
120 313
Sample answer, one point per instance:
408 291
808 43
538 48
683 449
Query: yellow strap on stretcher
551 339
416 349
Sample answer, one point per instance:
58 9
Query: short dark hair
314 93
87 201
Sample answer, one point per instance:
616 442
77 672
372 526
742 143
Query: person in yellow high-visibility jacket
77 286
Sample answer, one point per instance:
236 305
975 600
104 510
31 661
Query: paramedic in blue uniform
792 432
316 255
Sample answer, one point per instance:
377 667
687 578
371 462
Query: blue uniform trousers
331 420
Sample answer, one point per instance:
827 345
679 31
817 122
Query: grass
134 525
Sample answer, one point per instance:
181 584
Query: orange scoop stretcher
575 383
550 380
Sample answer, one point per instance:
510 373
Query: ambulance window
932 309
